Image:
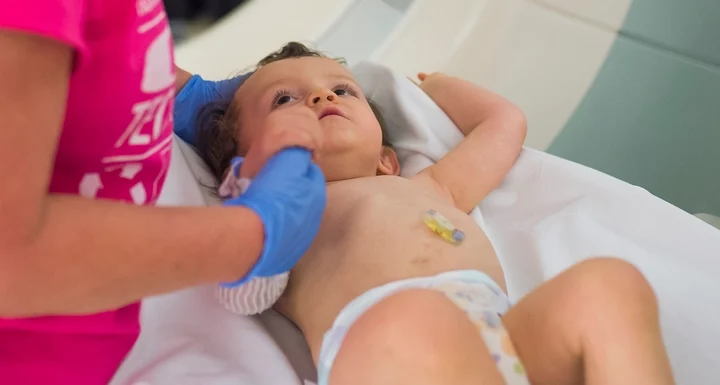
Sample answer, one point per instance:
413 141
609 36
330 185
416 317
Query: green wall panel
690 27
652 118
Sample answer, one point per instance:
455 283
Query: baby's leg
416 337
596 323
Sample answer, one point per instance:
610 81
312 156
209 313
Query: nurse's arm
64 254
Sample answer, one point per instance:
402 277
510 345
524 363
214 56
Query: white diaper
473 291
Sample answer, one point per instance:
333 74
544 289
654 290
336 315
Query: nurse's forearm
89 256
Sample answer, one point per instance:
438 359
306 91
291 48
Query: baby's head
293 78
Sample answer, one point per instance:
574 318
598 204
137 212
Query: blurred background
628 87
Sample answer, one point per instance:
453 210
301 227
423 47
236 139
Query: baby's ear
224 189
389 163
229 184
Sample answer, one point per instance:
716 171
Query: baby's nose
322 95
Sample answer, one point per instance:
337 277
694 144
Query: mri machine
548 214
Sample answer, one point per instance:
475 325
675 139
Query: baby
383 299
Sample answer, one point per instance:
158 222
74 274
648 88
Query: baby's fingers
423 76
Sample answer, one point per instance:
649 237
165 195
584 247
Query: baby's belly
374 244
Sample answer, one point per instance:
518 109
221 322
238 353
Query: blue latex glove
289 196
196 93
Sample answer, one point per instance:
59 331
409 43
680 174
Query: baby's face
352 138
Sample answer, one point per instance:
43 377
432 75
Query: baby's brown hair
215 129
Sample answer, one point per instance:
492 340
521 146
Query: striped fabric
253 297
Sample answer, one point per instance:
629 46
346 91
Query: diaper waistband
375 295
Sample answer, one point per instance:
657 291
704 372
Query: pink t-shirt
115 144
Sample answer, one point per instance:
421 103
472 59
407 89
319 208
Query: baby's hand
283 129
430 82
424 76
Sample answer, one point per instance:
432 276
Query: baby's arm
494 129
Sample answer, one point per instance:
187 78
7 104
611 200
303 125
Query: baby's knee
612 283
609 274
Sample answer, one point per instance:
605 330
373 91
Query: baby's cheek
249 130
368 124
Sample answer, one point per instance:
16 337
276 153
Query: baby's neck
337 181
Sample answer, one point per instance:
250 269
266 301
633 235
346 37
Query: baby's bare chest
373 233
387 210
375 226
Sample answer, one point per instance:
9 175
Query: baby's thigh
414 337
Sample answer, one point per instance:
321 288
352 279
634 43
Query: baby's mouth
330 111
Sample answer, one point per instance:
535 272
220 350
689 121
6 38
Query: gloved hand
289 196
196 93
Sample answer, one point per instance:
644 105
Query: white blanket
547 215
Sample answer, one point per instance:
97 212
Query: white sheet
547 215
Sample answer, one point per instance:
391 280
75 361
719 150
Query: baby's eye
282 97
344 90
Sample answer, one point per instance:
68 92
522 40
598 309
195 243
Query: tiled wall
629 87
652 115
688 27
541 59
256 29
609 14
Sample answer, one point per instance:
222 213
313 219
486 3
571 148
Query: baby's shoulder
428 184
